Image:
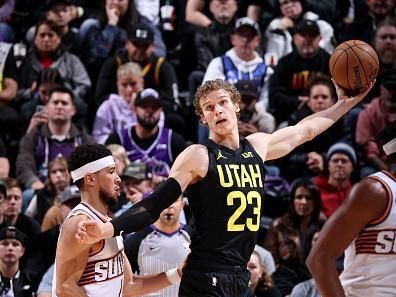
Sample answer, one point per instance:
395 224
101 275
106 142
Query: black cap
69 193
388 78
137 170
307 27
51 3
140 32
3 188
147 95
247 88
11 232
247 22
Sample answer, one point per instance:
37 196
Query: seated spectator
289 238
379 113
336 184
292 73
160 246
120 157
158 73
43 199
117 111
253 116
32 110
44 142
266 259
242 61
13 281
46 52
279 32
260 281
45 286
309 158
146 141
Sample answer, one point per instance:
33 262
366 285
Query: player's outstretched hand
89 231
355 99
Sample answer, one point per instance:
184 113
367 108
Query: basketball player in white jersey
367 223
99 269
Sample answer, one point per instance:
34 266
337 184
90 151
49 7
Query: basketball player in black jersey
224 178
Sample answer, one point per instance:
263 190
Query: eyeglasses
281 3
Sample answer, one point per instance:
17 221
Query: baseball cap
247 88
309 27
51 3
69 193
11 232
137 170
147 95
3 188
247 22
141 32
342 148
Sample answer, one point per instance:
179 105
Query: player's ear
237 108
89 179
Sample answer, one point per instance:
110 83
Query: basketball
353 65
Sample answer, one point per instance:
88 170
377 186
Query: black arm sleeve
148 210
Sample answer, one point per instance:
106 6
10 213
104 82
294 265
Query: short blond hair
119 151
214 85
129 68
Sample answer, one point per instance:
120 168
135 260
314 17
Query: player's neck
229 140
94 201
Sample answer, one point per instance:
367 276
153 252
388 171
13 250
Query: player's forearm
143 285
67 289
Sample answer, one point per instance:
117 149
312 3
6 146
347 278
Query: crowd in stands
123 73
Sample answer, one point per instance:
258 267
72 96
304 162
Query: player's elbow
313 261
63 290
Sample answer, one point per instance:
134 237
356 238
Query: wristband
173 276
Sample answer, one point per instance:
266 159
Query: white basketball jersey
370 260
104 272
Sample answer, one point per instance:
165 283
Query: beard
148 124
107 199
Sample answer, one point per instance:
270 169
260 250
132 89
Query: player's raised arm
283 141
189 167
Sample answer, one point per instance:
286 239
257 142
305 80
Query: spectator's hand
38 118
37 185
315 162
285 23
113 15
134 195
245 129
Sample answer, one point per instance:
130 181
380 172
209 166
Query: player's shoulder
195 151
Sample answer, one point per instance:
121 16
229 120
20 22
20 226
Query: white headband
92 167
390 147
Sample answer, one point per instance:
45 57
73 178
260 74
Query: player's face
128 86
60 108
13 203
148 113
385 44
109 185
219 112
319 98
11 250
255 269
340 167
303 202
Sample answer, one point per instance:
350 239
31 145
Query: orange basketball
353 65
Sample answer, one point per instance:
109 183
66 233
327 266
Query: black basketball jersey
226 205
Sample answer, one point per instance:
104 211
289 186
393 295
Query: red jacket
332 197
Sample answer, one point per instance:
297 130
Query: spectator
158 73
45 286
385 43
266 259
289 238
146 141
336 184
279 31
13 281
117 111
161 246
260 280
45 142
242 61
43 199
253 116
7 33
4 162
32 111
380 112
293 71
46 52
309 158
3 196
120 157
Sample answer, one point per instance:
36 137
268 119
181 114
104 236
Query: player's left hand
89 232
